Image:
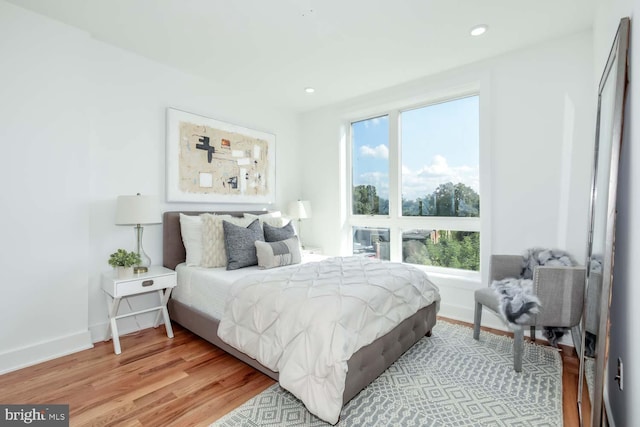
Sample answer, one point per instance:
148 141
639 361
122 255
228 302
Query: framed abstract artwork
216 162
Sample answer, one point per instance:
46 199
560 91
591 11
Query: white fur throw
549 257
518 303
517 300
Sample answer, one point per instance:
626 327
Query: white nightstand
157 279
310 250
312 254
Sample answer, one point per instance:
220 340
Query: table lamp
300 210
138 210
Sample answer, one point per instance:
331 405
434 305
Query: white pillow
272 218
213 252
274 214
191 229
278 254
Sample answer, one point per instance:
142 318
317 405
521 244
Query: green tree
467 201
415 252
413 207
455 249
367 202
447 199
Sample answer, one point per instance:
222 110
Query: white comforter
306 321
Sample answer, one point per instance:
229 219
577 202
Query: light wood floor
156 381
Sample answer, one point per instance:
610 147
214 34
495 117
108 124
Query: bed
366 364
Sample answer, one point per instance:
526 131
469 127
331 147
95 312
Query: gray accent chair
560 290
591 315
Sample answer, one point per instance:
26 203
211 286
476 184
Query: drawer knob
147 283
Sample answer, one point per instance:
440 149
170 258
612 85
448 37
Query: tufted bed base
363 367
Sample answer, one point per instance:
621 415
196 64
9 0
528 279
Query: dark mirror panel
591 336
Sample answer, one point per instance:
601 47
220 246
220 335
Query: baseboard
125 326
13 360
465 314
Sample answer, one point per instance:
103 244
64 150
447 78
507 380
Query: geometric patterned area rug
449 379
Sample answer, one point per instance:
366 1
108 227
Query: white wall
82 122
44 171
542 140
128 152
95 117
624 319
536 125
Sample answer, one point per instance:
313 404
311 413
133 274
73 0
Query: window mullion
395 208
394 166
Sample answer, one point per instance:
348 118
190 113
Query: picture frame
211 161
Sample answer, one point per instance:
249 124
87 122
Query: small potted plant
123 262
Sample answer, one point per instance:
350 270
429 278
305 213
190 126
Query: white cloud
379 152
438 167
373 177
372 122
418 183
424 180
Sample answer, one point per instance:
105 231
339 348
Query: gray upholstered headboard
173 252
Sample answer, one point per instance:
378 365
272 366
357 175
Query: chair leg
532 330
518 345
476 321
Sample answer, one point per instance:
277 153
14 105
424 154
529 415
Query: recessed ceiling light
479 30
309 90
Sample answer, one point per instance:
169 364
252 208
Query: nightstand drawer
155 279
140 285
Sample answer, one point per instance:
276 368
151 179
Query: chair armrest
561 294
503 266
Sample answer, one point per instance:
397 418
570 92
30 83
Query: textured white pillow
191 230
278 254
213 252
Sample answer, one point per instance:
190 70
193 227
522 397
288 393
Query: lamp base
144 258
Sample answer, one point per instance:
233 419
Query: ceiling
274 49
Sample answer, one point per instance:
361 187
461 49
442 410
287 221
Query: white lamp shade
300 209
133 210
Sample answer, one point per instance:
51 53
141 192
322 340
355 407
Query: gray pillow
277 234
278 254
239 242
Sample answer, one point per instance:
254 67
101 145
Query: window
424 207
370 142
440 155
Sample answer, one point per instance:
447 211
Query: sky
439 144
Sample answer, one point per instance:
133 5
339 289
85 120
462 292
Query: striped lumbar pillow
278 254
